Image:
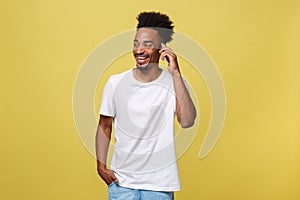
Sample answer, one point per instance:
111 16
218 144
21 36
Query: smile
141 57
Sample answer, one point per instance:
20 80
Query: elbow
187 124
187 121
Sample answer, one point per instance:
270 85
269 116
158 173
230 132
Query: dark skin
147 51
102 142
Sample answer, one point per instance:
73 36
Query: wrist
101 166
176 73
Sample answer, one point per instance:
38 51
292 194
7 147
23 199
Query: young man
142 102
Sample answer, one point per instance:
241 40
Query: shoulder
169 78
114 79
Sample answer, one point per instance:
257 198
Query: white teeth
141 57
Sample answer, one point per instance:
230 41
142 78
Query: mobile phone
166 58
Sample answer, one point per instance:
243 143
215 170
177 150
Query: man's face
146 45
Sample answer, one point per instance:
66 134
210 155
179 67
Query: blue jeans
116 192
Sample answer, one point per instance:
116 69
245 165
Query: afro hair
157 21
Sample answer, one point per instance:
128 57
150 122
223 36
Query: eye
148 45
135 44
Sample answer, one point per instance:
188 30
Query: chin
143 67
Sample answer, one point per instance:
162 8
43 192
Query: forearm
103 136
185 109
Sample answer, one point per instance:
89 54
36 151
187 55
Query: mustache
141 54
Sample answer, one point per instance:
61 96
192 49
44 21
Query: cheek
154 53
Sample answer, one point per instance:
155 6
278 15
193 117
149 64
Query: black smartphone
166 58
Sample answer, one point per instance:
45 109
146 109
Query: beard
144 67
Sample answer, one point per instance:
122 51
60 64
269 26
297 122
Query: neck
147 73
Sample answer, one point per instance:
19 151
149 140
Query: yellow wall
255 45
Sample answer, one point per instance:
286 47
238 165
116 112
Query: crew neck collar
162 74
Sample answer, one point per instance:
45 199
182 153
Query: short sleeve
107 107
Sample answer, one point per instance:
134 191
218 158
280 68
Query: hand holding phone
169 55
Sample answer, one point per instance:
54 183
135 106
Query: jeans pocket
112 183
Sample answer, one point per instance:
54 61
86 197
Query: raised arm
185 109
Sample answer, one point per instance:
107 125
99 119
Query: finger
163 56
165 50
171 53
113 177
109 180
164 47
166 54
162 50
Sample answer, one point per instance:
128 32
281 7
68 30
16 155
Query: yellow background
255 45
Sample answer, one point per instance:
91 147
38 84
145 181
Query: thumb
114 177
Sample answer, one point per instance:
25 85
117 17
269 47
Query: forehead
146 34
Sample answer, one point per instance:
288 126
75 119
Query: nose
139 49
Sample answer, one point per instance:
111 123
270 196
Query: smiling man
142 103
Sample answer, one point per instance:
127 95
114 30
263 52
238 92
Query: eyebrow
145 41
148 41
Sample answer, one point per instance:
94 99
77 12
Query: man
142 103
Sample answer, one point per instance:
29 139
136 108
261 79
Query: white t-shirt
144 154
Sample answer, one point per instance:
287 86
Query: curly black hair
157 21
